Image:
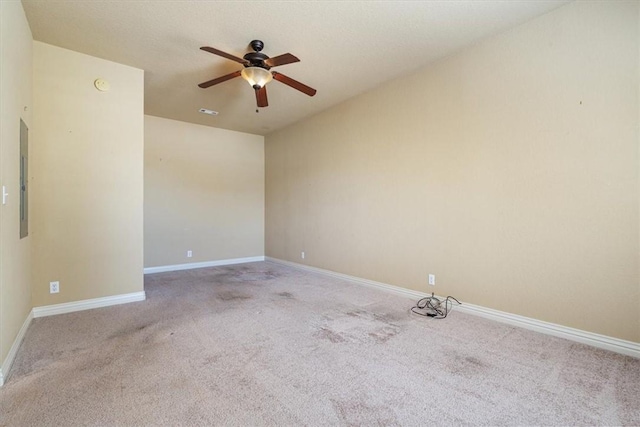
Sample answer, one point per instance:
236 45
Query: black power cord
434 307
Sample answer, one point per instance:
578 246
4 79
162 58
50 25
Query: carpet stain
129 331
387 318
359 413
211 360
383 335
250 275
328 334
287 295
91 362
475 362
240 275
362 326
232 296
359 313
465 366
219 278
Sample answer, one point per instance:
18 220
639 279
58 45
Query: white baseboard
189 266
617 345
70 307
8 361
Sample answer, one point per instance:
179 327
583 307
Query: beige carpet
263 344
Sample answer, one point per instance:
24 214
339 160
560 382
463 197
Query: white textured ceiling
345 47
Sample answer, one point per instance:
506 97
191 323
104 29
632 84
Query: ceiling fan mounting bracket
256 45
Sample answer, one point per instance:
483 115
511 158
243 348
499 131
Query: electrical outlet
432 279
302 255
189 254
54 287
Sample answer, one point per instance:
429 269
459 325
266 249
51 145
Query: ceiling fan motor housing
256 59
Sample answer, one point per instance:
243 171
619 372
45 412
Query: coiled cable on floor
434 307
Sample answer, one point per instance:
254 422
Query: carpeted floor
264 344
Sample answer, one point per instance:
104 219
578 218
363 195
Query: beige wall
509 170
16 103
204 192
87 163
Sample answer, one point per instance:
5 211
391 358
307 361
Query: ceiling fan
256 71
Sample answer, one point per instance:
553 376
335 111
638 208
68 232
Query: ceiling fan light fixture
256 76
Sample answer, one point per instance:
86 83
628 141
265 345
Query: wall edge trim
13 351
87 304
617 345
192 265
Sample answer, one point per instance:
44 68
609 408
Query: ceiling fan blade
220 79
283 59
224 55
294 83
261 97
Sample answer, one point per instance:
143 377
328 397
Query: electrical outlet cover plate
54 287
